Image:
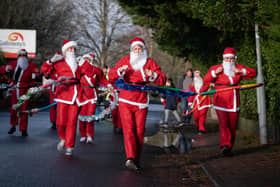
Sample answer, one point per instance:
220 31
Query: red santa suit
22 80
65 96
116 118
52 109
51 100
201 105
92 77
227 103
133 104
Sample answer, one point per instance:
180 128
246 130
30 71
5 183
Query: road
34 160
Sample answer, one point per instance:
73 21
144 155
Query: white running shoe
60 145
68 151
89 139
82 139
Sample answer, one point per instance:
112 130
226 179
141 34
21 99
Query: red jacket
25 79
92 78
227 100
198 100
63 93
137 98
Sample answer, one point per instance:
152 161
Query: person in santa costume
199 103
133 105
227 103
92 78
57 68
52 109
23 76
116 117
52 114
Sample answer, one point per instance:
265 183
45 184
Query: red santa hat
68 43
229 52
137 41
22 52
89 56
197 71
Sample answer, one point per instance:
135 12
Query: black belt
89 87
226 85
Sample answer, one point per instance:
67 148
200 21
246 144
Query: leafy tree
202 29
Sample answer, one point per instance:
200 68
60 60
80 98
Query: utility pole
260 91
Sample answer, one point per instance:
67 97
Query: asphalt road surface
35 161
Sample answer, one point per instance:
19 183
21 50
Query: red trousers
228 123
66 121
199 118
116 118
133 121
23 121
87 128
52 109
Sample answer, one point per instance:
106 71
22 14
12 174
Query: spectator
184 84
170 103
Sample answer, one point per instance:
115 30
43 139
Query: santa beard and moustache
229 68
23 63
198 82
71 60
138 60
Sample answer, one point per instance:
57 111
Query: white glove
57 57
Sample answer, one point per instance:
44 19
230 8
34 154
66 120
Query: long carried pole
260 92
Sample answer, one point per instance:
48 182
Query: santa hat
89 56
68 43
229 52
197 71
137 41
22 52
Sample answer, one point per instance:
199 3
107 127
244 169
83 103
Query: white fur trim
153 77
7 70
213 73
33 75
234 109
204 106
244 72
231 80
73 99
121 74
229 55
88 56
88 80
137 43
140 105
143 74
67 45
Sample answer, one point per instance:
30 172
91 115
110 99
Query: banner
11 40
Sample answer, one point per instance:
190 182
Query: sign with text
12 40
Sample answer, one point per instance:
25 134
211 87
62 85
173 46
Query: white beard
198 82
23 63
229 68
138 60
71 61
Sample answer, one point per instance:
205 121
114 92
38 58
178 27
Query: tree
99 23
231 23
